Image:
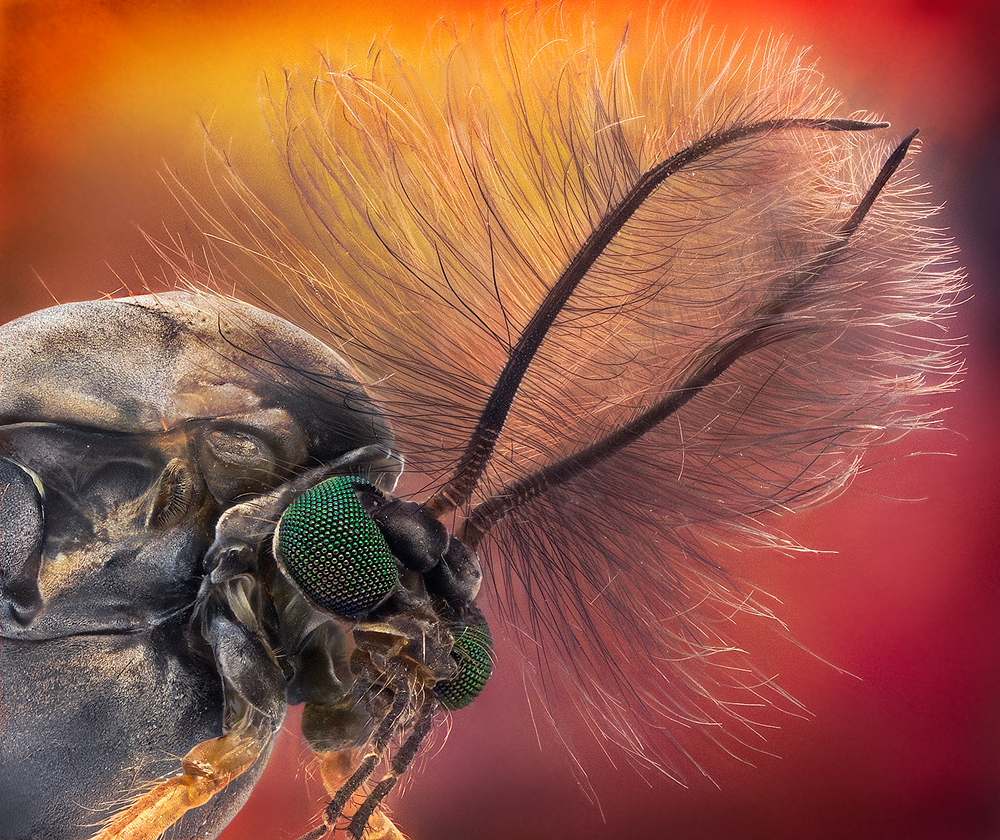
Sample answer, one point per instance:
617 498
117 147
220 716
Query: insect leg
335 767
400 763
379 743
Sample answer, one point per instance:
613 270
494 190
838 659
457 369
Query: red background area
98 97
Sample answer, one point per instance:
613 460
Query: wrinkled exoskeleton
149 446
614 335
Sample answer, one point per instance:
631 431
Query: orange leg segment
207 769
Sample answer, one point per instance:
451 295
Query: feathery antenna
762 328
457 491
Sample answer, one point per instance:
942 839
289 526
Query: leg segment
343 783
207 769
400 763
379 744
336 769
367 822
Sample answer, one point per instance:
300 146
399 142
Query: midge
617 303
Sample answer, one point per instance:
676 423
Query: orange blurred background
99 97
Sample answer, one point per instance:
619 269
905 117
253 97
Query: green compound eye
334 551
474 653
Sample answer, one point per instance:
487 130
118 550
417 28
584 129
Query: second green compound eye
334 551
473 652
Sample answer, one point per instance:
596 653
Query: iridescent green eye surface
334 551
474 653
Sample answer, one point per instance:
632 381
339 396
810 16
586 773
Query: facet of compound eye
332 549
